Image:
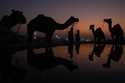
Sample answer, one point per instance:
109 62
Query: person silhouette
70 35
97 51
115 55
77 36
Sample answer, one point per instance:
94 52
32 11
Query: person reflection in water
115 55
77 43
97 51
71 40
70 50
77 47
47 60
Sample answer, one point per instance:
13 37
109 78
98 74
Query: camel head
72 19
108 20
91 27
99 28
17 17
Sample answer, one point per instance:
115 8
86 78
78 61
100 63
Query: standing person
77 36
70 35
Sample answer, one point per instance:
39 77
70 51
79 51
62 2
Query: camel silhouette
115 31
8 22
97 33
47 25
16 17
77 36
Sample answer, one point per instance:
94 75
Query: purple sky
89 11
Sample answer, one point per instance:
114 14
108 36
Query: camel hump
118 29
40 19
108 20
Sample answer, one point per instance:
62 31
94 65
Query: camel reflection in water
97 51
114 55
47 60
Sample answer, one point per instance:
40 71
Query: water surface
68 63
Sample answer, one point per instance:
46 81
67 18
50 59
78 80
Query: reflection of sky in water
82 58
83 61
86 68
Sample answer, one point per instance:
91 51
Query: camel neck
110 27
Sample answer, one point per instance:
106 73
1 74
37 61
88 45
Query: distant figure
98 34
77 36
116 31
47 25
70 35
97 51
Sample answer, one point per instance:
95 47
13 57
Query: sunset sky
88 11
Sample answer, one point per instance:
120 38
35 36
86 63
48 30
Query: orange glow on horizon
84 24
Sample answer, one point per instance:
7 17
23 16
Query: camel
8 22
47 25
98 34
115 31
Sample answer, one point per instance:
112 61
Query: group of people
71 37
